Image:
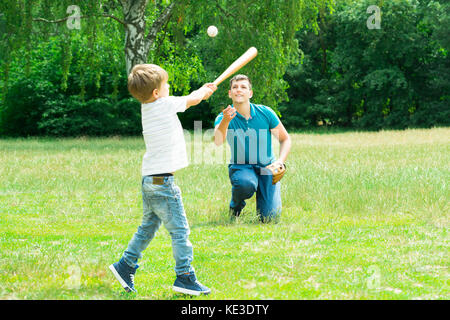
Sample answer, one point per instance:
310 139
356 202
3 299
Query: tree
131 14
269 23
166 32
394 76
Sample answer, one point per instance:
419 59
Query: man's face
240 91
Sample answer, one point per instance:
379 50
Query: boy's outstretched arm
195 97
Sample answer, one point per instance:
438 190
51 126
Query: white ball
212 31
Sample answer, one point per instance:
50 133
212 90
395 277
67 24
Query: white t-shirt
163 136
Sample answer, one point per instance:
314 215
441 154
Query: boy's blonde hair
143 79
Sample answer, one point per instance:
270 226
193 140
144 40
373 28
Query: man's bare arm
285 141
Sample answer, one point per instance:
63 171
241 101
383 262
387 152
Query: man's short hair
240 77
143 79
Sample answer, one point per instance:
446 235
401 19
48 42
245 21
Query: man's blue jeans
162 203
246 179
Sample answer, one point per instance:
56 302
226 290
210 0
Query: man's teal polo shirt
251 140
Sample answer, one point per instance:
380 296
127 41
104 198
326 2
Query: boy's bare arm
195 97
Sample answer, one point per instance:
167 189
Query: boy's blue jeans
246 179
162 203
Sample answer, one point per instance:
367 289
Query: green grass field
365 216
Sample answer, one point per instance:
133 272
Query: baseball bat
237 64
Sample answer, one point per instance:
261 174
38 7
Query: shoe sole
190 292
119 278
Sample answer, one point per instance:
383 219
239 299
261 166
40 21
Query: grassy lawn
365 216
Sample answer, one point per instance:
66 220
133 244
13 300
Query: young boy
165 154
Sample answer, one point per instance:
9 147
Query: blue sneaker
125 274
188 284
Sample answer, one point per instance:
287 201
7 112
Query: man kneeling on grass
248 129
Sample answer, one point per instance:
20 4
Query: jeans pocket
160 206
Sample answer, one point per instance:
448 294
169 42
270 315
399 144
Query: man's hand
277 170
220 131
229 113
278 162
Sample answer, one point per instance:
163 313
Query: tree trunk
134 18
137 44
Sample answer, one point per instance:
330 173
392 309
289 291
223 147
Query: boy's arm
195 97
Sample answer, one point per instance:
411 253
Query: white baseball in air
212 31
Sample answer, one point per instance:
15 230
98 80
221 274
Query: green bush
23 106
126 120
73 117
432 113
96 117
